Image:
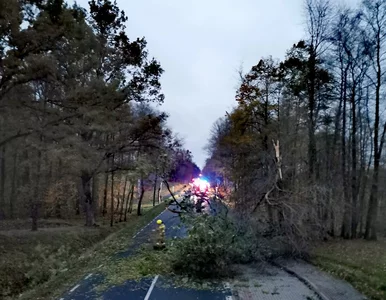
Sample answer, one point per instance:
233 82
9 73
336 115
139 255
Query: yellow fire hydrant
161 235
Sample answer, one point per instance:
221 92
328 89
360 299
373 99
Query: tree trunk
362 200
12 199
49 177
345 232
112 196
77 203
337 133
363 172
155 186
87 198
311 112
119 180
2 183
140 198
354 184
363 196
372 214
129 199
332 224
104 208
139 188
36 195
95 193
160 192
123 200
58 204
130 210
26 176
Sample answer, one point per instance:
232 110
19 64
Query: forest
88 161
85 148
304 145
81 131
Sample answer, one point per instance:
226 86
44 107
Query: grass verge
205 256
82 258
147 263
362 263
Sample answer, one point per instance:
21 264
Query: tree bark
155 186
95 193
104 207
354 184
311 113
49 177
160 191
112 195
87 199
362 197
139 213
372 214
58 204
130 210
119 180
77 203
123 200
129 198
364 166
12 199
36 201
345 232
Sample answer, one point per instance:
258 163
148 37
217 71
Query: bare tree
375 18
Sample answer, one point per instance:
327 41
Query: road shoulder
331 288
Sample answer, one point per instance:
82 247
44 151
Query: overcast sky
201 44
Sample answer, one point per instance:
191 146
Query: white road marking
74 288
88 276
151 288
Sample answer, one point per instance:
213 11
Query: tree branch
174 199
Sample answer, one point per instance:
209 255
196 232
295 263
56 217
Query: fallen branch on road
171 193
175 211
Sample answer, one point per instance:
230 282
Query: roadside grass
22 224
200 260
362 263
147 263
45 263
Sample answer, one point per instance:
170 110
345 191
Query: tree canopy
307 135
76 95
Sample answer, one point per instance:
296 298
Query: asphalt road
149 288
263 282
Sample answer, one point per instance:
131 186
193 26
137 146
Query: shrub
213 244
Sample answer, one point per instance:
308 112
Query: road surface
253 282
149 288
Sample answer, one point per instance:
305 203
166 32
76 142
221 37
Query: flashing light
204 184
201 183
